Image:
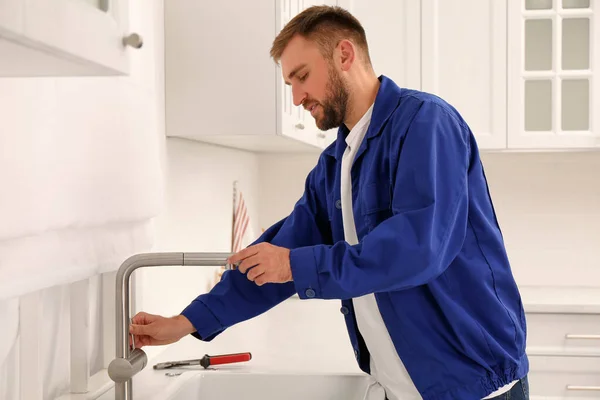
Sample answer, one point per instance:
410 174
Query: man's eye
303 78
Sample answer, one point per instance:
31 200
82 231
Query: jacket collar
386 102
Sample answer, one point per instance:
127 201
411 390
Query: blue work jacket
430 249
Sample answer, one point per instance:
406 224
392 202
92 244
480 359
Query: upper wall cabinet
523 73
553 74
65 38
223 87
464 62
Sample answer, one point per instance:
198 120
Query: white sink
235 385
257 386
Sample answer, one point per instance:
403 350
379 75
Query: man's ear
346 54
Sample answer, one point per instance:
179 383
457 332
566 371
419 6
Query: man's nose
298 96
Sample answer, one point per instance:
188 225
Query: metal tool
207 361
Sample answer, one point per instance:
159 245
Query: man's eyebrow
294 72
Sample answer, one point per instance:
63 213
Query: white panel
81 30
595 79
464 62
515 63
80 362
30 331
109 330
12 374
9 348
393 33
220 79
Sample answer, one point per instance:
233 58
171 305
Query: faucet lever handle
123 369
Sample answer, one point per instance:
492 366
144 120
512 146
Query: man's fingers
242 254
140 329
249 262
255 272
143 318
261 280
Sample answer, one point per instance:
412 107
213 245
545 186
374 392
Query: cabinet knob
299 125
134 40
321 135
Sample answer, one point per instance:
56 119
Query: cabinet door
553 74
322 138
393 31
464 62
295 121
90 30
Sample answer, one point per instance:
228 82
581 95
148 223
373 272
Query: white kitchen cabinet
563 341
563 378
222 86
523 73
553 74
464 62
65 38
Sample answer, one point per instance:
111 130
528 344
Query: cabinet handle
578 336
299 125
586 388
321 135
134 40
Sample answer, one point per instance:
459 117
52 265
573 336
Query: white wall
197 218
282 179
548 205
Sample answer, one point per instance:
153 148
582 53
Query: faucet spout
128 362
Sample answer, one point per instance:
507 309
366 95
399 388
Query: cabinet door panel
553 83
464 62
92 32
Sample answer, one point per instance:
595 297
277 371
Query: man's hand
154 330
265 263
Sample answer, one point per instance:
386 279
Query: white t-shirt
386 366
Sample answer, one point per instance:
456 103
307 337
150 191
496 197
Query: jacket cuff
304 272
204 321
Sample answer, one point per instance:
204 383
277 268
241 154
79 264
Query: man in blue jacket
396 221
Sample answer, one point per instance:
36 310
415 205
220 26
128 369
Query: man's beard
336 104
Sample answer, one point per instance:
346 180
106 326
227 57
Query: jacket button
338 204
344 310
356 353
309 293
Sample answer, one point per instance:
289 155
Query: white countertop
561 299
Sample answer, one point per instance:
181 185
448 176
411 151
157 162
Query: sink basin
237 384
273 387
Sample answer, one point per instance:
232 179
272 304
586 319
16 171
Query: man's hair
325 25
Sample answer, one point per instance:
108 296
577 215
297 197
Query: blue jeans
520 391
